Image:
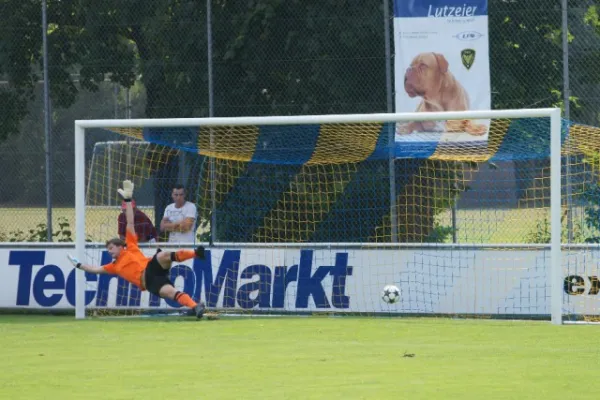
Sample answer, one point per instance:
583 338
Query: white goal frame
555 169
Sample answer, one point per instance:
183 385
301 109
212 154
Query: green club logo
468 57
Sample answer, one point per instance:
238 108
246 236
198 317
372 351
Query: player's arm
92 269
131 239
191 213
182 226
127 194
166 225
186 224
129 217
85 267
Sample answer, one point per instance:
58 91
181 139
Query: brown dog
428 77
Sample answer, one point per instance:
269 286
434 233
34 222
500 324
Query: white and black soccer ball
390 294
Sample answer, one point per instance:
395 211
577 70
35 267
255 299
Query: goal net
463 212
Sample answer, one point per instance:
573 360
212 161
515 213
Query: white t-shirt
174 214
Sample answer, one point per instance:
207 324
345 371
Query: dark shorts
156 276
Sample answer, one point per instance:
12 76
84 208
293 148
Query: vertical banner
441 64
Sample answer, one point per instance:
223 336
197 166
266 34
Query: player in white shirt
179 218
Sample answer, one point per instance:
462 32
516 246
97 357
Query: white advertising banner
441 64
333 280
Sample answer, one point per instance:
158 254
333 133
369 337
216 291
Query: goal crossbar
317 119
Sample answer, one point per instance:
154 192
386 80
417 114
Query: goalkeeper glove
127 191
74 261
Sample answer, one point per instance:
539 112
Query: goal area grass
56 357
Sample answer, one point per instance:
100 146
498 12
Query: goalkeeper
147 273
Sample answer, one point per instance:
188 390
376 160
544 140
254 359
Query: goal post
555 216
80 217
356 122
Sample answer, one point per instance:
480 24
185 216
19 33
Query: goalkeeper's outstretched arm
127 194
87 268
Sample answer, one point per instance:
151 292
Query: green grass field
474 226
101 222
49 357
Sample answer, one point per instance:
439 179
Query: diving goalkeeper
147 273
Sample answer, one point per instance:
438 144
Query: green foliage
440 234
592 213
525 53
300 57
271 56
204 227
583 232
40 233
83 38
541 233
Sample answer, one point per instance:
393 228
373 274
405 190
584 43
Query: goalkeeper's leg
168 291
156 278
165 258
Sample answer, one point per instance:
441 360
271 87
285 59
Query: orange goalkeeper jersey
131 263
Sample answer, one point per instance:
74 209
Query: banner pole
390 108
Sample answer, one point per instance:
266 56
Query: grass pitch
47 357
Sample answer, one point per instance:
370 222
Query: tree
277 57
92 41
77 43
525 53
271 57
18 50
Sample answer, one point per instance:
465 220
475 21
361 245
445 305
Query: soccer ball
390 294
